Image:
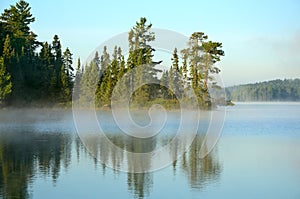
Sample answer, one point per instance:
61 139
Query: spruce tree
55 74
35 75
115 67
13 67
175 79
5 82
164 81
78 76
120 90
8 51
184 72
88 85
45 70
3 34
104 61
66 76
104 86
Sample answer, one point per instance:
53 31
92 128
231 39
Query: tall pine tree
66 76
140 57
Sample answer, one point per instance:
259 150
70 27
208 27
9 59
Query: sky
261 39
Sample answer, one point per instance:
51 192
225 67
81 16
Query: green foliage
164 81
104 88
275 90
34 71
175 84
202 55
140 35
88 83
36 76
175 78
5 83
66 76
16 21
78 77
140 59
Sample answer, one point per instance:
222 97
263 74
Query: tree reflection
138 183
199 172
24 155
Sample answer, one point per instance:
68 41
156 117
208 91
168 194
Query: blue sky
261 39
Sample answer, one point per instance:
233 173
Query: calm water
258 156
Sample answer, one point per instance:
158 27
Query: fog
37 120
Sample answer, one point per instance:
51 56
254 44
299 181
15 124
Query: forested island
274 90
34 73
193 70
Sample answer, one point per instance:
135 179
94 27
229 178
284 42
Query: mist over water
41 156
57 120
46 140
37 120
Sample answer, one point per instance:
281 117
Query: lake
257 156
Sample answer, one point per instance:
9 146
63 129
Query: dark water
258 156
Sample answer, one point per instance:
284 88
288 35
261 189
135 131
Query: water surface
258 156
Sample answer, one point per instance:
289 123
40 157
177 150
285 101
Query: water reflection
24 156
27 156
200 171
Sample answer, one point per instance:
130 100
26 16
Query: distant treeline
274 90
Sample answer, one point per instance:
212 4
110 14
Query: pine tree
78 76
175 79
165 94
195 51
67 61
88 85
140 35
5 82
65 94
184 72
202 56
22 41
45 69
120 90
212 53
57 52
104 62
67 76
104 86
16 21
8 52
3 34
121 61
140 54
13 67
35 75
108 78
55 80
115 67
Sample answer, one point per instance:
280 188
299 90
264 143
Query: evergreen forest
41 73
274 90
